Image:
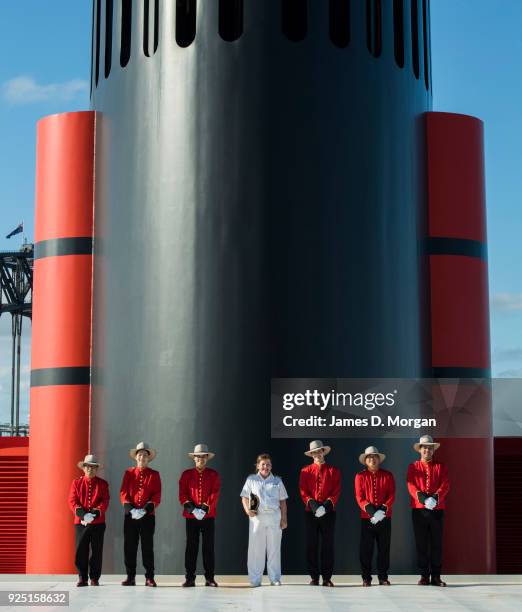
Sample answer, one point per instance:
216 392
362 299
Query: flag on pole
18 230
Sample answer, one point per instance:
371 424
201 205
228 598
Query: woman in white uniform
264 501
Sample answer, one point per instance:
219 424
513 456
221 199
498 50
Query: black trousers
320 529
380 533
194 528
428 527
89 537
133 531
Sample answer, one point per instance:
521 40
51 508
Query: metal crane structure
16 297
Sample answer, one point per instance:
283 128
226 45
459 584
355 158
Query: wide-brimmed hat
201 449
143 446
89 460
425 441
317 445
371 450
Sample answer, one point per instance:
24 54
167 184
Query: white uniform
264 534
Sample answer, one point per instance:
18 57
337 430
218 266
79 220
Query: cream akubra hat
143 446
317 445
425 441
371 450
89 460
201 449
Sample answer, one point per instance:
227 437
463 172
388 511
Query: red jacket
427 480
140 486
320 482
200 488
374 491
89 494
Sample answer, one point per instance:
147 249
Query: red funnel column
61 334
456 248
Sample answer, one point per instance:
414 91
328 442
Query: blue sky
45 69
476 54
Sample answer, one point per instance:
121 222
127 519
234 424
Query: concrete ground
475 593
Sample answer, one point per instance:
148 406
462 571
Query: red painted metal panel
64 176
459 312
456 192
469 533
460 324
62 313
17 445
59 414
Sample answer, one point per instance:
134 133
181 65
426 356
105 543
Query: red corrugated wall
13 504
508 500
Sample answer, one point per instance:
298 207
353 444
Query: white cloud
5 371
511 354
507 302
25 90
514 373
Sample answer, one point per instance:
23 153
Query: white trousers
264 541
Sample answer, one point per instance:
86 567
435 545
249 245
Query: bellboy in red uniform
320 487
140 495
199 494
89 500
375 494
428 486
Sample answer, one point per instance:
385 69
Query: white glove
321 511
430 503
137 513
378 516
88 517
199 513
